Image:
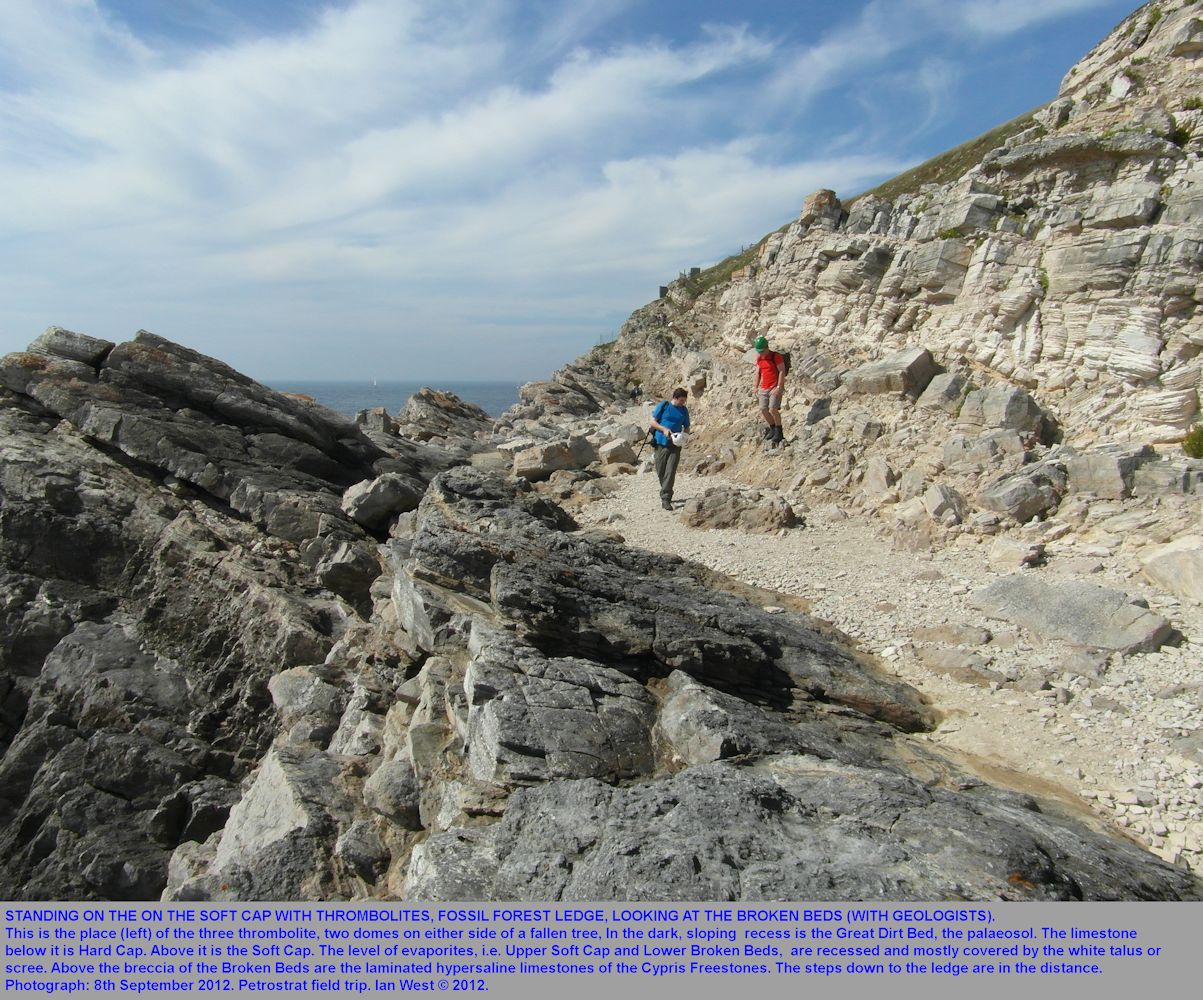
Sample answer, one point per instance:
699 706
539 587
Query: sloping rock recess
218 684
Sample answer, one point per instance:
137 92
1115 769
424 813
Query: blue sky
426 189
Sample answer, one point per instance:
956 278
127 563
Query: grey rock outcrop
561 666
195 710
170 538
433 415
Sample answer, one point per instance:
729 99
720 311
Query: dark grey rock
794 827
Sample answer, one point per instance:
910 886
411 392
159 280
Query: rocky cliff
1059 274
252 650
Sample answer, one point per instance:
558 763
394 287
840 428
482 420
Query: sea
351 397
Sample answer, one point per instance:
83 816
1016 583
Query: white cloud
421 163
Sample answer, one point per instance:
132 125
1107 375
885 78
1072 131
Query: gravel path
1120 741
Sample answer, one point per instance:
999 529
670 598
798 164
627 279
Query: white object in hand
679 439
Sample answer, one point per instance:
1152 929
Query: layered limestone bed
276 673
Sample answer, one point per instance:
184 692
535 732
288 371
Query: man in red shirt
770 383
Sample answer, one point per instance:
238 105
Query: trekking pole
643 444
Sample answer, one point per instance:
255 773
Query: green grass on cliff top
949 165
941 169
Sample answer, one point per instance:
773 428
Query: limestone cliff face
1066 262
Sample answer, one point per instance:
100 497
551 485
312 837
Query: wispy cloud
992 18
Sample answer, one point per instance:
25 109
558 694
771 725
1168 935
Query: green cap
761 343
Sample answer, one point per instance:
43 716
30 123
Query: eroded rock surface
171 536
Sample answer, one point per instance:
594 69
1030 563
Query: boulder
1003 407
944 504
968 668
952 635
616 452
300 691
1075 611
1023 495
374 503
1010 554
1187 39
538 463
377 420
749 510
1177 567
819 410
1106 473
995 448
821 209
277 843
393 792
1160 479
879 477
944 392
907 372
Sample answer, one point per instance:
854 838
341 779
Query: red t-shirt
767 364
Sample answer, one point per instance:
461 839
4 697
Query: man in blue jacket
668 418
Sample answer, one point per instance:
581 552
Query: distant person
636 392
670 420
770 384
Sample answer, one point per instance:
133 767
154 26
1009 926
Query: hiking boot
778 434
768 432
666 504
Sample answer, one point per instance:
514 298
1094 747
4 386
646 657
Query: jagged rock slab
60 343
794 827
484 539
1081 613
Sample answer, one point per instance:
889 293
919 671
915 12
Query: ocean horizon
349 397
